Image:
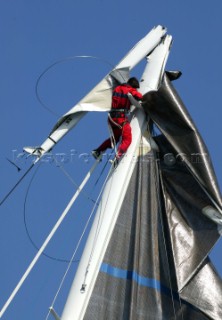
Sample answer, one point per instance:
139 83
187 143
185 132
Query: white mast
113 196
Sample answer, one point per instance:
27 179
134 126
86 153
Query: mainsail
113 195
146 257
156 266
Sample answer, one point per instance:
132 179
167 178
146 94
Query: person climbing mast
118 119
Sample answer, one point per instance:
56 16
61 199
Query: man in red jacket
118 119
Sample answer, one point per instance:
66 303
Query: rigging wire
111 133
71 58
87 196
17 183
49 237
47 108
102 171
39 253
97 230
112 137
78 244
26 226
70 262
61 167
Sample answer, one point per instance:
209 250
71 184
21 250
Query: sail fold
156 266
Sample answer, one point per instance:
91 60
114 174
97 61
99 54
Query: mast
99 98
113 196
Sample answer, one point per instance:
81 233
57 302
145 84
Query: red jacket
120 99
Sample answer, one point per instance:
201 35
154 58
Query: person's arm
137 95
135 103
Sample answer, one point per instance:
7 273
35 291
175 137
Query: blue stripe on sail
143 281
132 275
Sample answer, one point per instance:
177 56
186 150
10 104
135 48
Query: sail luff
111 201
104 221
156 264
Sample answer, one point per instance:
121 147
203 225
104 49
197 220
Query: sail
168 112
113 195
156 266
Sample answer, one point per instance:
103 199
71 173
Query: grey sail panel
156 266
205 291
137 280
132 256
192 234
168 112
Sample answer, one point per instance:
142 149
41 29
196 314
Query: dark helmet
133 82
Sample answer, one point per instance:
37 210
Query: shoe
96 154
114 162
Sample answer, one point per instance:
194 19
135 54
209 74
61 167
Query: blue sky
34 35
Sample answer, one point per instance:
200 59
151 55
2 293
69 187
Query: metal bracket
54 313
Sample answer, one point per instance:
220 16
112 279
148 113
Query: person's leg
108 143
126 139
117 132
